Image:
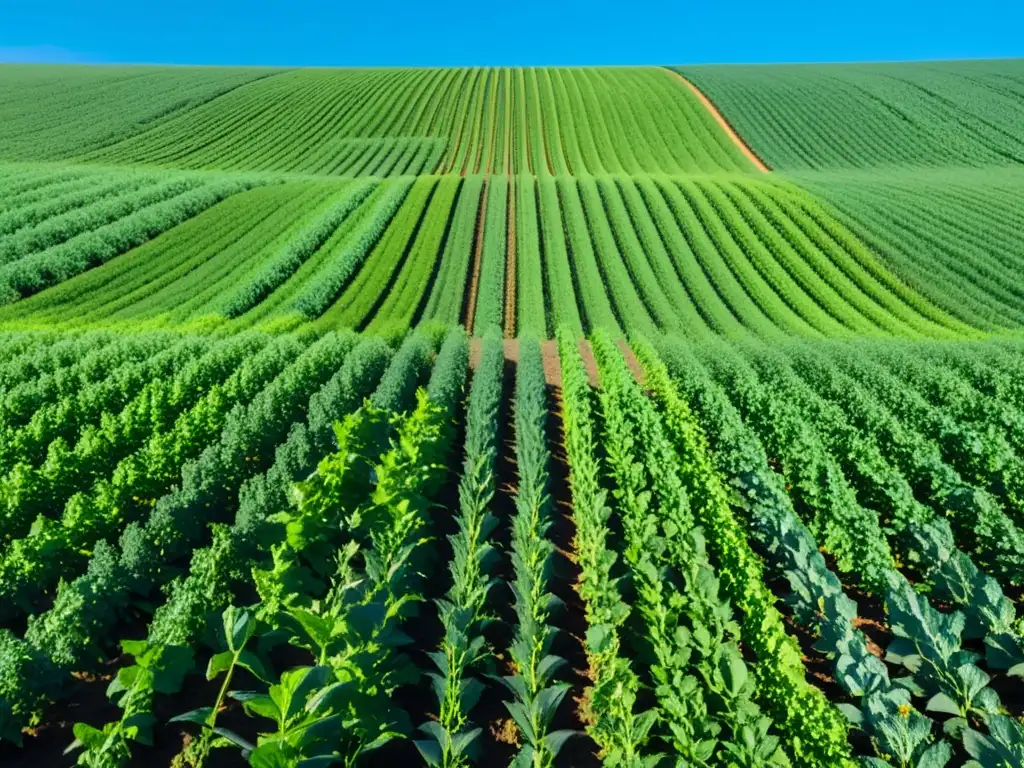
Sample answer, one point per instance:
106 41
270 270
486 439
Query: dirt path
478 255
589 362
631 361
552 364
549 351
569 643
720 119
510 261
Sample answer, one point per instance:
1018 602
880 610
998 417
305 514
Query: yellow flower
905 710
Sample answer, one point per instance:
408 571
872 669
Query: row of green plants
133 194
57 263
816 596
24 213
53 118
462 657
880 116
448 293
114 416
124 468
811 731
534 669
948 235
406 297
72 634
490 295
367 288
347 255
300 246
933 647
26 185
646 254
683 629
584 121
282 541
52 402
170 271
981 526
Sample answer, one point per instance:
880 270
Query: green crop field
536 417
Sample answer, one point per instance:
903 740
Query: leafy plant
237 629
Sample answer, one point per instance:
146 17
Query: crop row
645 255
394 122
52 113
168 478
952 236
873 115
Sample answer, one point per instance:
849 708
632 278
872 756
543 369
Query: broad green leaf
220 662
200 715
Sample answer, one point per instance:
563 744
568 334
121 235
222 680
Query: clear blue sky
530 32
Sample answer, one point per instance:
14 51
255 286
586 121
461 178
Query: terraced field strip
883 116
722 122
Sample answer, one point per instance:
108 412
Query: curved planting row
873 115
395 122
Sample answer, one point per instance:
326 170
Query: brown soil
549 352
589 363
85 702
476 348
722 122
634 364
491 712
552 364
511 347
478 255
871 628
572 714
510 262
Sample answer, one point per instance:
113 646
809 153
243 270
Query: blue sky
527 32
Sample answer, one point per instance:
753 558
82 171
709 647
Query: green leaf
555 740
599 638
263 706
239 627
522 719
87 736
430 751
852 713
200 715
235 739
940 702
461 742
734 672
220 662
316 628
524 759
250 661
273 754
936 756
134 648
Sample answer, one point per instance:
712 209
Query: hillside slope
829 116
